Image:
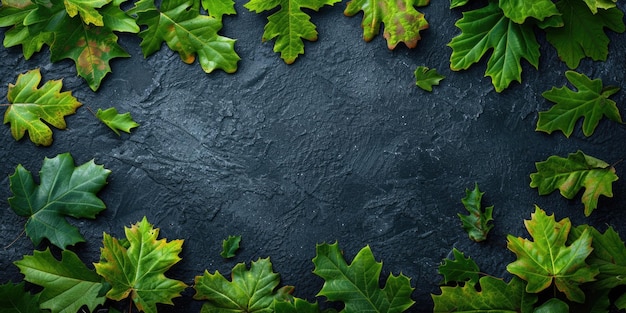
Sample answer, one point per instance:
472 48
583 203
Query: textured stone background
340 146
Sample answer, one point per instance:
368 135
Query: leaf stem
15 240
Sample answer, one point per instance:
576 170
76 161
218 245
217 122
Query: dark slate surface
340 146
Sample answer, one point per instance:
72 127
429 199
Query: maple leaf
68 284
136 270
488 28
459 269
583 32
495 296
115 121
289 25
426 78
519 10
17 300
356 285
230 246
402 21
249 291
571 174
29 105
591 101
218 8
477 223
547 259
65 190
180 24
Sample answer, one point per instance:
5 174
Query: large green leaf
29 105
488 28
289 25
357 284
479 222
64 190
249 291
590 101
402 21
583 32
13 13
180 24
570 174
495 295
459 269
68 284
14 299
547 259
519 10
137 270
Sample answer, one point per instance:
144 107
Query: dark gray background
340 146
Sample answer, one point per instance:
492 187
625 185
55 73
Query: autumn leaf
495 295
402 21
137 270
68 284
249 291
590 101
583 32
15 299
30 106
570 174
64 190
459 269
548 260
180 24
289 25
488 28
357 284
87 10
230 246
115 121
519 10
426 78
478 223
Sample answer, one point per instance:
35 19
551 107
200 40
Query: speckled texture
340 146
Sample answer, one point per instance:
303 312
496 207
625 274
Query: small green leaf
15 299
426 78
115 121
457 3
553 305
590 102
67 284
230 246
570 175
65 190
478 223
459 269
357 284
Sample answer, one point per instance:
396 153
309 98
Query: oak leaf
289 25
402 21
478 223
230 246
136 270
357 284
116 121
30 106
488 28
426 78
570 174
547 259
590 101
64 190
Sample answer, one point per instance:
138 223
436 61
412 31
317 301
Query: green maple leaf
357 284
459 269
219 8
519 10
115 121
29 105
230 246
402 21
591 101
68 284
289 25
426 78
488 28
15 299
477 223
495 296
583 32
87 10
13 13
137 270
64 190
548 260
570 174
249 291
180 24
